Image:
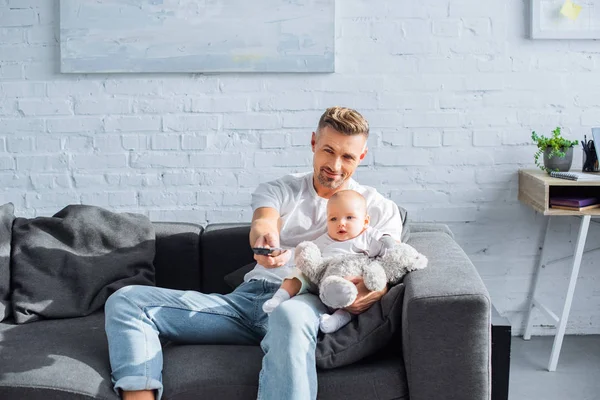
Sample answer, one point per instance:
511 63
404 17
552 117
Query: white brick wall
451 88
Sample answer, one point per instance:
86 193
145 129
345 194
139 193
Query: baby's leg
329 323
289 288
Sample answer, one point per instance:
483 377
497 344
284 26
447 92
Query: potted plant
557 151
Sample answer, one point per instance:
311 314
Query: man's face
336 157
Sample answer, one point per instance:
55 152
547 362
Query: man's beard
330 183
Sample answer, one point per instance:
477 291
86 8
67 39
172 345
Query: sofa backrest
224 248
177 260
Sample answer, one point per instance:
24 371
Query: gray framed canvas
196 36
547 21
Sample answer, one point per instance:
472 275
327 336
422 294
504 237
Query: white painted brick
48 144
2 145
590 118
99 161
463 194
51 199
189 87
470 9
481 120
192 216
42 162
252 121
416 28
136 87
218 178
397 138
22 89
235 215
11 70
431 120
135 142
242 199
7 162
45 34
483 137
42 182
158 160
45 107
75 125
585 100
194 142
19 144
454 156
273 140
402 157
158 106
434 175
227 104
213 199
17 17
19 125
457 137
12 35
413 47
380 119
101 106
405 101
289 158
10 180
447 28
164 142
110 199
133 123
167 198
419 196
8 107
477 26
239 84
77 88
185 123
361 101
180 178
108 144
213 160
485 82
88 180
136 179
460 100
290 101
427 138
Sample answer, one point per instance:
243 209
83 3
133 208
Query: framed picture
197 36
565 19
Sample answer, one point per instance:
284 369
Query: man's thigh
194 317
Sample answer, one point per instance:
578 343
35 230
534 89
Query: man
286 211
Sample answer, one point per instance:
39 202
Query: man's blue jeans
138 317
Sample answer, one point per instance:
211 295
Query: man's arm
264 232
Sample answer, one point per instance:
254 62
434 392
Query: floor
577 376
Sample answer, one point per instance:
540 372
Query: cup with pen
590 156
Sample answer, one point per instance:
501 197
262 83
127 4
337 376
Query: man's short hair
344 120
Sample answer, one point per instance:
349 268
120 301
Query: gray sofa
442 352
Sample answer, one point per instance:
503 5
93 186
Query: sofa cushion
231 372
365 334
55 359
68 359
7 216
67 265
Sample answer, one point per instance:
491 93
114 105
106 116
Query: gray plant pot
558 163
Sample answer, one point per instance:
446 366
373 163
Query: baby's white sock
279 297
331 323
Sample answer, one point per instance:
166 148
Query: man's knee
293 316
122 298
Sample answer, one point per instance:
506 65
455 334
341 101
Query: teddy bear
335 291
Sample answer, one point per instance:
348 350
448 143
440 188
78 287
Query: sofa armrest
446 319
430 227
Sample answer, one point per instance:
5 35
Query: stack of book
574 203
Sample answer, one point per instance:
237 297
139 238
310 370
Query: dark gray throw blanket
67 265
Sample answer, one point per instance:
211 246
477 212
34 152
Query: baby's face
346 219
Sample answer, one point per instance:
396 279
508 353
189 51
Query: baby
348 232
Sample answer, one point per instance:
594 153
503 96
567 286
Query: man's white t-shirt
303 215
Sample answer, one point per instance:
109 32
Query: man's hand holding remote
274 260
